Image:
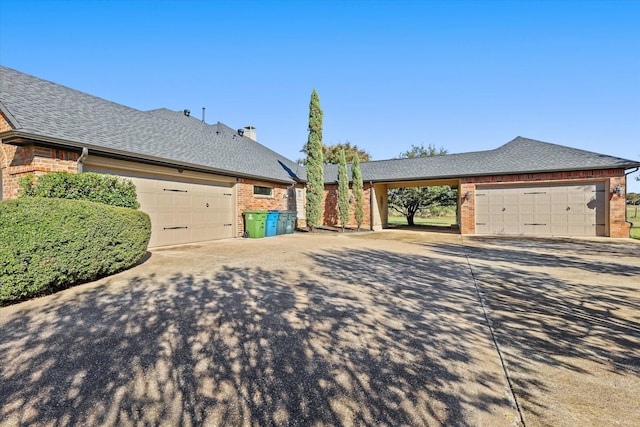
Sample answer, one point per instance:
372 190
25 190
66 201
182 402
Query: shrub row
107 189
51 244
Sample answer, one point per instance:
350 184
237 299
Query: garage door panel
181 210
542 210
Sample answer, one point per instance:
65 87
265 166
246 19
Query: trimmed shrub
107 189
51 244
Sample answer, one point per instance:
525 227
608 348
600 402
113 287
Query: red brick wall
4 124
330 207
19 161
612 177
247 201
618 227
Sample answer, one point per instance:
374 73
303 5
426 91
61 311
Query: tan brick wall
18 161
612 177
330 207
247 201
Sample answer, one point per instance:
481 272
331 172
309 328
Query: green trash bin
290 226
282 223
254 223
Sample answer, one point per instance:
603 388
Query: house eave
21 138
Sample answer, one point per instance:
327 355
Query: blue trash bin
272 224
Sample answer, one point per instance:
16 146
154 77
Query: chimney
250 132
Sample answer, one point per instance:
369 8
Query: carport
525 187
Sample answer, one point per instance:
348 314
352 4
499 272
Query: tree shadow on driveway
567 314
389 340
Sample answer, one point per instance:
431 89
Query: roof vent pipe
241 132
186 112
202 114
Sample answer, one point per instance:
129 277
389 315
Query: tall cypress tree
315 163
358 193
343 190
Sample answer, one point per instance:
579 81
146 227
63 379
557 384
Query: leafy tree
314 163
407 201
358 193
343 191
331 153
422 151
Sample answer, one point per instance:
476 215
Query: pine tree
343 191
358 193
315 163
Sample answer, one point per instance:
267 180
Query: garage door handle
177 191
173 228
228 225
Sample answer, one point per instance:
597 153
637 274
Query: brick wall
247 201
618 227
330 207
4 123
611 177
19 161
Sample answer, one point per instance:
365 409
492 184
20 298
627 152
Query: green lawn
439 221
633 216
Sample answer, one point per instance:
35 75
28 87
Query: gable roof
51 113
48 112
521 155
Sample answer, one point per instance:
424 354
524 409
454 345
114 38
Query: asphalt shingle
45 110
521 155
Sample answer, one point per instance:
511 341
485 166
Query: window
262 191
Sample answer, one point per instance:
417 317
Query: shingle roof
44 110
521 155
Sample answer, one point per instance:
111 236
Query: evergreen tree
343 191
358 193
315 164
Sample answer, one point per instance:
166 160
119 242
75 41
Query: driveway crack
485 312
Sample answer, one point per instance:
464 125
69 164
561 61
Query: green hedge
51 244
107 189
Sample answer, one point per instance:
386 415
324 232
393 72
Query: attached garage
542 210
184 208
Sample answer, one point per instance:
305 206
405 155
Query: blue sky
463 75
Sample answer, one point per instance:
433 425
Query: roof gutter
23 138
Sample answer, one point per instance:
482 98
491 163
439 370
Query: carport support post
466 208
379 207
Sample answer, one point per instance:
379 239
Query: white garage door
559 210
181 210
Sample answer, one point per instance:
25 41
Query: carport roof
521 155
44 111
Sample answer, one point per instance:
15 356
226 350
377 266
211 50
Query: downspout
83 156
625 192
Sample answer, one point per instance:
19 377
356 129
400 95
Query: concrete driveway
386 328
